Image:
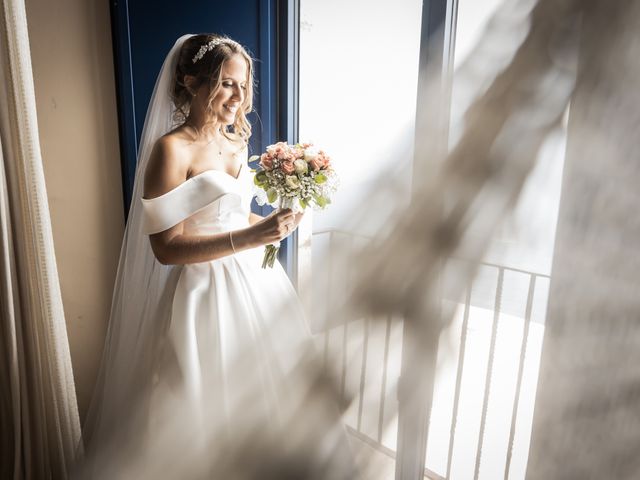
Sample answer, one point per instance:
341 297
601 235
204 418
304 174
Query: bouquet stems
271 250
270 255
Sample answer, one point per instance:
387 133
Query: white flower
300 166
311 153
292 181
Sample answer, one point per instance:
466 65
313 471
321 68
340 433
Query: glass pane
358 84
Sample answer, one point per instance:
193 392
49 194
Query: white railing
370 350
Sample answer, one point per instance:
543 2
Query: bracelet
231 241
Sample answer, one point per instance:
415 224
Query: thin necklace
217 146
210 141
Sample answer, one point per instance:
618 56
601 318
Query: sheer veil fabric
138 305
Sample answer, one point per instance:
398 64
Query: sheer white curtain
39 425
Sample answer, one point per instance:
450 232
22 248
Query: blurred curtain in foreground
586 421
39 425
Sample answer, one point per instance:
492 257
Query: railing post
415 391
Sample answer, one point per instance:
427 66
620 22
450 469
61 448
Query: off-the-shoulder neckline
199 175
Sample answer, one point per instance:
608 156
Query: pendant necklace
217 146
210 141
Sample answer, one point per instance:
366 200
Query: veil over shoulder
139 305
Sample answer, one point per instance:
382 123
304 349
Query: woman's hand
274 227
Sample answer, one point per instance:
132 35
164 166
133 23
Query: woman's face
233 89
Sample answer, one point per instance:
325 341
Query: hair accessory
206 47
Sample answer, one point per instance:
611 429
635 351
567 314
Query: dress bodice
210 202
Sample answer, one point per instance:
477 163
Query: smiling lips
231 108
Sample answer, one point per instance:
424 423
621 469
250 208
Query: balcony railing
366 354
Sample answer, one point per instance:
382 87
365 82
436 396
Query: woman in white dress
201 339
197 194
212 93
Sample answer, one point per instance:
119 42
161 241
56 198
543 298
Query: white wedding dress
227 336
233 328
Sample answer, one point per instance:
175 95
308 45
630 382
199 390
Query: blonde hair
208 70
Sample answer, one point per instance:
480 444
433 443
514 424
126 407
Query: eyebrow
233 80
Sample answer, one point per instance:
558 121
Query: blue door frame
143 31
287 88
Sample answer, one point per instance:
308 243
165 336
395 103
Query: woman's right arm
172 247
165 171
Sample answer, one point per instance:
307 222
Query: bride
201 339
212 91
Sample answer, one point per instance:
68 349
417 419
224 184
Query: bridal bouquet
293 176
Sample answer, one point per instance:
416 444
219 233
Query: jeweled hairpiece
207 47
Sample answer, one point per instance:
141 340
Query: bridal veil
137 309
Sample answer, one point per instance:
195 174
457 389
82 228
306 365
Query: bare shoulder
167 167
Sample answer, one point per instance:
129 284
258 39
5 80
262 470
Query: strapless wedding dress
234 329
227 385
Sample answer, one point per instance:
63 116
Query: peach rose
287 166
266 161
278 150
324 158
316 163
298 153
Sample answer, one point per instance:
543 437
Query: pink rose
281 153
316 163
287 166
325 159
278 150
266 161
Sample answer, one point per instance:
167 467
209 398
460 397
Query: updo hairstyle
208 70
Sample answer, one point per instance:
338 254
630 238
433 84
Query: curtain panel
39 424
